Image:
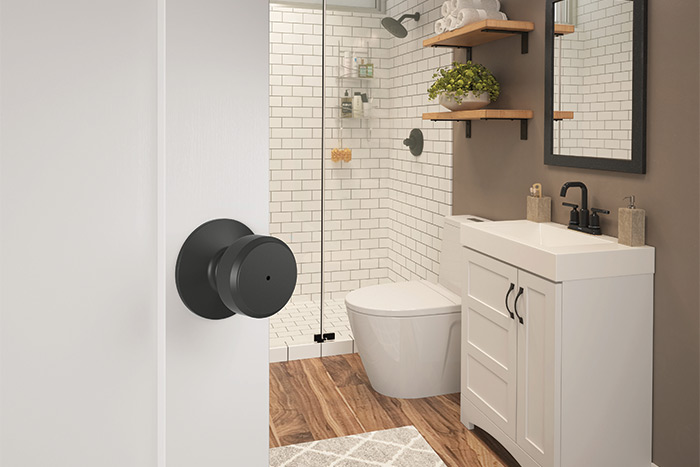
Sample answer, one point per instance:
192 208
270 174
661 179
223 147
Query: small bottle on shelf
346 105
357 105
362 69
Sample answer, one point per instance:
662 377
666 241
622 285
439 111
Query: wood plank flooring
328 397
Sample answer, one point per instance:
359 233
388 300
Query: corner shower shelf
483 114
482 32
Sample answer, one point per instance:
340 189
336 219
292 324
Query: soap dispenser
631 224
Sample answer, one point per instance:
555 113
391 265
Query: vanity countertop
556 253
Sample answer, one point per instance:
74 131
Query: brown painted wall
494 169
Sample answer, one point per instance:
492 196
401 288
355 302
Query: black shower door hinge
329 336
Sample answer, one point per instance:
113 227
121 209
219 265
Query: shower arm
415 16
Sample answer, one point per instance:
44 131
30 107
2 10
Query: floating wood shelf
563 115
483 114
482 32
563 29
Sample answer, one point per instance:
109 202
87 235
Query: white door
489 337
539 305
126 124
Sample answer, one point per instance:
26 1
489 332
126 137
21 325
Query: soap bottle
370 70
357 105
346 105
631 224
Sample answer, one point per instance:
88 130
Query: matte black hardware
224 269
582 224
573 215
524 38
524 41
468 123
415 142
395 27
512 286
515 305
319 338
594 222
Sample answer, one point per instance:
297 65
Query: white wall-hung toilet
408 333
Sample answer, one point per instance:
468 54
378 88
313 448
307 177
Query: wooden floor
328 397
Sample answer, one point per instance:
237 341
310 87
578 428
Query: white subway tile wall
596 82
384 208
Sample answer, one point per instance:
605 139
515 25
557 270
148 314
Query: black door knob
224 269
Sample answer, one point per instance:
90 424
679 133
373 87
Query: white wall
384 209
420 190
106 165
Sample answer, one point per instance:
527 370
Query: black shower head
395 27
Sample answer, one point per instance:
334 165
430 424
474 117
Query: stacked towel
458 13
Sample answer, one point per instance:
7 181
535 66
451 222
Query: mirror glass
593 76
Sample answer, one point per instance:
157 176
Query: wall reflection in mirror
593 78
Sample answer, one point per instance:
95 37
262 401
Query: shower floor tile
294 328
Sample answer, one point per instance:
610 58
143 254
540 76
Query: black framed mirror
596 84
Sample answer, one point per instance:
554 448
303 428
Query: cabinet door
489 337
539 305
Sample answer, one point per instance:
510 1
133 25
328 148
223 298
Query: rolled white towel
448 21
440 26
472 15
446 8
490 5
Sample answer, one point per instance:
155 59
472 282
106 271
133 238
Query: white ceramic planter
469 102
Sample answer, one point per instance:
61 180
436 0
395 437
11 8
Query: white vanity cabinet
559 372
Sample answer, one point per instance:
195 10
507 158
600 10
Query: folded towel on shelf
489 5
472 15
446 8
440 26
448 21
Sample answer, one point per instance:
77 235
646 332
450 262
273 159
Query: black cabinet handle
512 286
515 305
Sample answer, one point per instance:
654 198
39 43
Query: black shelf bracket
524 38
523 126
467 48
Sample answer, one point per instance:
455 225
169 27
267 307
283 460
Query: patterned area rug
400 447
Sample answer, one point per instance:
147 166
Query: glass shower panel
354 166
296 56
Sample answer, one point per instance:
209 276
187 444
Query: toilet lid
403 299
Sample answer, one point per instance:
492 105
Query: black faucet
579 220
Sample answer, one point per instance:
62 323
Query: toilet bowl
408 333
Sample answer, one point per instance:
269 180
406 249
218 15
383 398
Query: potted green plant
464 86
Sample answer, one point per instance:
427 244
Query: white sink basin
555 252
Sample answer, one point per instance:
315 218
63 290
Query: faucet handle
594 222
573 215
